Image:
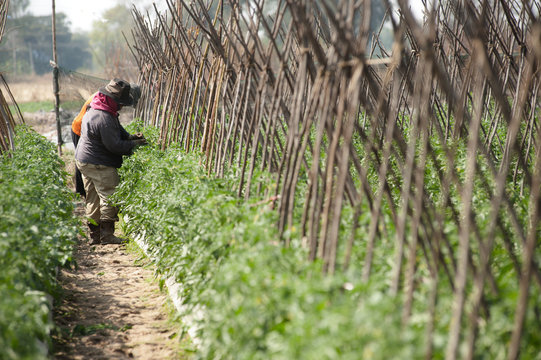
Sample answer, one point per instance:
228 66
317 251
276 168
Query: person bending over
98 155
135 94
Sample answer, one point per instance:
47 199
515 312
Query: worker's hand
140 142
137 136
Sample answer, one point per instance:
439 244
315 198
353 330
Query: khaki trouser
100 182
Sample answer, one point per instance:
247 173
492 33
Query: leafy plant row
37 233
259 299
262 300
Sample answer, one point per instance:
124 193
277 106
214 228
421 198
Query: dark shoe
107 234
94 232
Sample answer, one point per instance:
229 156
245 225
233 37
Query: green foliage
36 236
255 299
259 299
267 302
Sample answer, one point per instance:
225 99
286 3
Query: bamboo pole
56 88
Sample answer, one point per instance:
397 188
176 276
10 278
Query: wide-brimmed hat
119 91
135 93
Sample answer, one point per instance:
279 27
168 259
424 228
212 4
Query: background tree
11 43
27 45
110 51
17 8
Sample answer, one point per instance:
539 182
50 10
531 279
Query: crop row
37 232
255 298
258 299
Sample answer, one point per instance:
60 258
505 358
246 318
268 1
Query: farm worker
135 94
98 155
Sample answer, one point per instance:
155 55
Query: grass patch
46 106
34 106
85 330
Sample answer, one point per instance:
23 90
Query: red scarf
105 103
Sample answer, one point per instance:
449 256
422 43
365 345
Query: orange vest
76 124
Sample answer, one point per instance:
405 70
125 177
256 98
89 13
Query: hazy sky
81 13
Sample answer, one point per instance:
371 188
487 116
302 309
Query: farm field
104 303
308 190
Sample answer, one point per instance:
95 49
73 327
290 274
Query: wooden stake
55 85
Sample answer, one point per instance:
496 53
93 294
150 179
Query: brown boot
94 232
107 233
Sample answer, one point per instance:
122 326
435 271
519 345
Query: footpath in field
112 309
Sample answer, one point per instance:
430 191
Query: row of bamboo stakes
292 88
7 120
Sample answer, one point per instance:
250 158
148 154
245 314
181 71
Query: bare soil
112 308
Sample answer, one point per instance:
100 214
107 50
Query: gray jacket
103 140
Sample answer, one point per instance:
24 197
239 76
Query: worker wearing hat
135 94
98 155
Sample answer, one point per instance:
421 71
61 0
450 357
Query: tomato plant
260 300
37 233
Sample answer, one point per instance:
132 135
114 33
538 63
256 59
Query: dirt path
112 309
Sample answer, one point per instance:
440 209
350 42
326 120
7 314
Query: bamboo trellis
293 92
7 121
